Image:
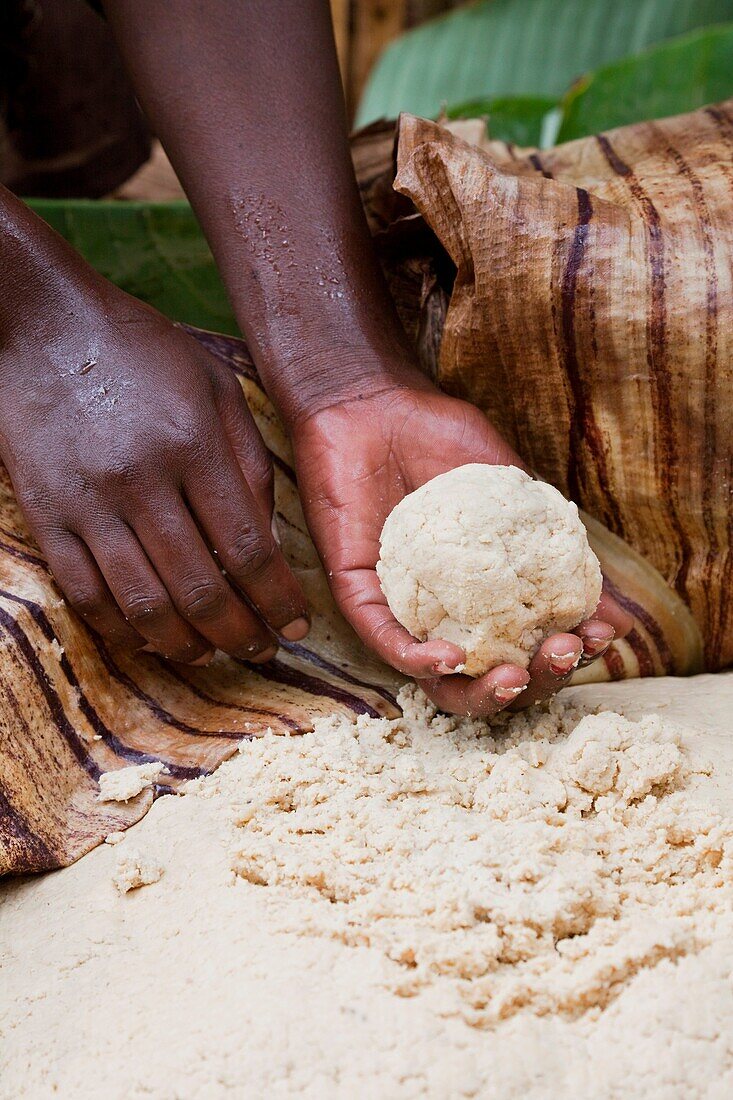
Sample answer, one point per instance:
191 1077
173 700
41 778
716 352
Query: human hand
145 481
355 461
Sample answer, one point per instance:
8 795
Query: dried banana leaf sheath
71 709
592 320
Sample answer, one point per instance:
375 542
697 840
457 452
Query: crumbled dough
490 559
126 783
133 870
537 909
536 865
114 838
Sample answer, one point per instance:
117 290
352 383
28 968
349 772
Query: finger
551 668
242 537
362 601
479 698
143 598
610 611
200 593
596 637
86 590
245 440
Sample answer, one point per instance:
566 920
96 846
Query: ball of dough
490 559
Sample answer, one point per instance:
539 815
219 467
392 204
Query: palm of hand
355 462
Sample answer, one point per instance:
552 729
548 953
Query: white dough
416 909
135 869
125 783
490 559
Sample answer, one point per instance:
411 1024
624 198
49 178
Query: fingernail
590 658
264 656
506 694
440 668
276 533
296 630
203 660
593 647
562 663
147 648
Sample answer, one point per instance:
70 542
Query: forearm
246 98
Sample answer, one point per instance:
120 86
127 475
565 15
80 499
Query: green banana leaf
155 251
667 79
520 119
520 48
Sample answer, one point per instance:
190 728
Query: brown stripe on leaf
260 712
723 119
614 662
650 624
125 752
584 430
666 456
536 163
297 649
641 652
55 707
709 380
279 673
23 849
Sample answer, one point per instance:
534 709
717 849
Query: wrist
303 381
322 329
45 287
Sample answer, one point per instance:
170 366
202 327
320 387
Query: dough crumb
135 870
535 865
114 838
126 783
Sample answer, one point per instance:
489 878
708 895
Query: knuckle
183 437
119 473
88 604
381 638
129 467
204 600
146 610
114 469
251 555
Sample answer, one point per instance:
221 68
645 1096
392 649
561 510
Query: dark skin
132 452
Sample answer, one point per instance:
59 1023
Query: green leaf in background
668 79
511 118
520 48
155 251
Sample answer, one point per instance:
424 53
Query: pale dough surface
126 783
490 559
329 904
